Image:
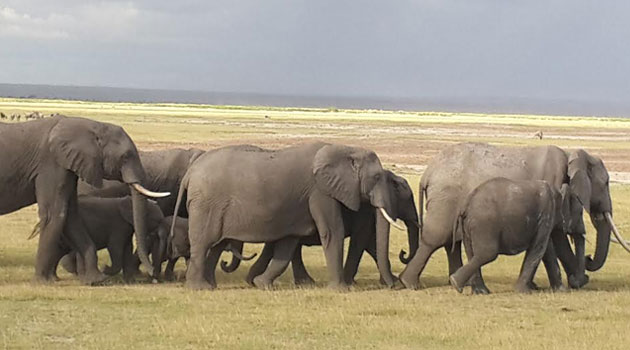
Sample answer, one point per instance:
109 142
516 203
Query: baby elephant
178 246
502 216
109 222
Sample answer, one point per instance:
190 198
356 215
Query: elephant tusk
615 240
389 219
622 241
148 193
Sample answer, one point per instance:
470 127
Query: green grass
235 316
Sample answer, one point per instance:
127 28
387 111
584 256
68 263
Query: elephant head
404 208
100 151
352 176
588 179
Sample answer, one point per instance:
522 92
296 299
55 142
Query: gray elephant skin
460 168
508 217
40 163
109 223
360 226
178 246
164 170
280 196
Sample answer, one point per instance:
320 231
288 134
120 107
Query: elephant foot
523 288
533 286
39 279
480 290
339 286
576 282
262 283
250 280
109 271
455 285
94 278
409 283
169 276
199 285
305 281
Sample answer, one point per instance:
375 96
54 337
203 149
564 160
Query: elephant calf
109 222
502 216
178 246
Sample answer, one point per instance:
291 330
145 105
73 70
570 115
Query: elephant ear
578 178
76 147
337 174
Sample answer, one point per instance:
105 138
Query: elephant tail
36 230
458 226
183 186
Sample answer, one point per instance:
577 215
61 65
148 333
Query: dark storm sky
540 49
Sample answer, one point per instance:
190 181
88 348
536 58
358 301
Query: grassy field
235 316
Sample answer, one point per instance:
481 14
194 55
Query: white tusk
148 193
622 241
615 240
389 219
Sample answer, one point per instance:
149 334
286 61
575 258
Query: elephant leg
371 250
53 210
77 233
204 231
116 256
580 278
355 253
472 269
532 259
326 213
211 263
300 275
550 260
169 271
411 274
564 252
129 267
454 255
283 251
69 262
261 263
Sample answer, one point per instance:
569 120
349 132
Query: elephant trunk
139 203
602 244
413 236
236 261
382 246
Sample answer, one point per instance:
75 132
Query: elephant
279 196
41 161
109 223
360 226
164 172
460 168
178 246
508 217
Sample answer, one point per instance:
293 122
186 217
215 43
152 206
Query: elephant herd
94 190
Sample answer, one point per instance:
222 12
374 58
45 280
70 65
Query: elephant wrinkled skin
40 163
265 196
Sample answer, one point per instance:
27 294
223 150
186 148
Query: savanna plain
67 314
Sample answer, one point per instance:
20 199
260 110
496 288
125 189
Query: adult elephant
164 170
40 163
264 196
460 168
361 227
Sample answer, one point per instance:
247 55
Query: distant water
441 104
